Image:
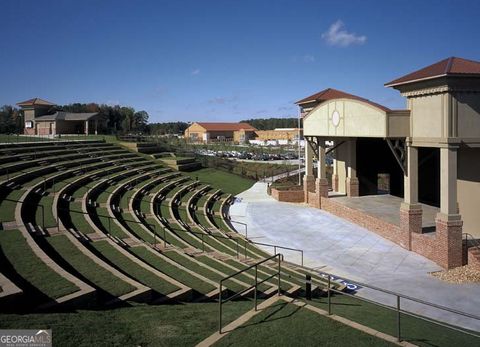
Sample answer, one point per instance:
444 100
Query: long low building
204 132
430 152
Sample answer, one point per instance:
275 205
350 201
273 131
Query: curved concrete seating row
122 248
84 292
20 215
213 271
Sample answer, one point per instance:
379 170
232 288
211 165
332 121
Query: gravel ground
462 274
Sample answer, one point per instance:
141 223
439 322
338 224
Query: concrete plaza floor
386 207
334 245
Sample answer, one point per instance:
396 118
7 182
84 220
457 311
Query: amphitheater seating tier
97 225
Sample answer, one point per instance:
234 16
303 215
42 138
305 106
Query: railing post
329 296
237 248
398 319
154 236
43 216
220 308
302 256
203 244
279 272
109 226
164 238
274 250
255 292
245 244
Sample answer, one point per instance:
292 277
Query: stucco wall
428 116
193 130
468 184
468 110
356 119
398 123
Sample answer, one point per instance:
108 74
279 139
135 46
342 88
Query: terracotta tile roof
35 101
226 126
447 67
330 93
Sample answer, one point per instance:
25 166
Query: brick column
352 185
449 241
321 189
308 185
448 222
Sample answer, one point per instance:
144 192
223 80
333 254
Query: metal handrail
277 246
222 301
397 307
476 243
266 244
241 223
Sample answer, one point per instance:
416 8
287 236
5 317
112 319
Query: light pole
299 151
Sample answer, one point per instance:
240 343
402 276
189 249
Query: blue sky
223 60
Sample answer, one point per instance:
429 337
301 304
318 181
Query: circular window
336 118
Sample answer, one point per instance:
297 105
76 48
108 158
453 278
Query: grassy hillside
227 182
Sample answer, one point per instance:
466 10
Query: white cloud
196 72
338 36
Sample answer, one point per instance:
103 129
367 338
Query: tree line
125 119
119 119
11 120
272 123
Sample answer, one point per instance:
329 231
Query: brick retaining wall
444 247
288 195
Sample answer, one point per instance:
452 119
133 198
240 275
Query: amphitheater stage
385 207
335 245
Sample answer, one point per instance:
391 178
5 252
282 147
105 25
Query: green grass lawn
227 182
7 208
138 230
194 266
96 274
414 330
284 324
126 265
46 202
109 224
78 218
140 325
173 271
19 254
